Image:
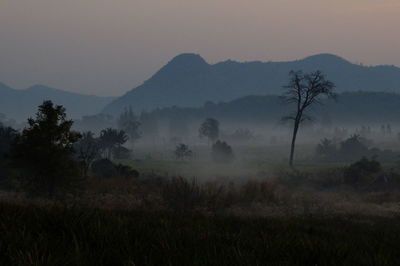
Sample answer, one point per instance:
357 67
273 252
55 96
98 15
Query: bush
182 151
353 148
103 168
107 169
222 152
361 172
126 171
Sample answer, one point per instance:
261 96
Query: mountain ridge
188 80
28 99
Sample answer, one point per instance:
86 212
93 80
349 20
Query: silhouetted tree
305 90
182 151
209 129
110 139
45 151
87 150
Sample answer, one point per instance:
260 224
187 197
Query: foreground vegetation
69 198
62 236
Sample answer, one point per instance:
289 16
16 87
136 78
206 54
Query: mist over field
199 132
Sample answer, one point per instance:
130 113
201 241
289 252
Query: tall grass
60 236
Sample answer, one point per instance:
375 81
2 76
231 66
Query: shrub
126 171
103 168
361 171
182 151
353 147
222 152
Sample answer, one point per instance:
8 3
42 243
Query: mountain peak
39 87
188 59
325 58
179 66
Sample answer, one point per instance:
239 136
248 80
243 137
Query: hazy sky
107 47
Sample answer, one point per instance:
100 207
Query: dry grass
286 194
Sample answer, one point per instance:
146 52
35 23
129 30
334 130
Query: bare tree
305 90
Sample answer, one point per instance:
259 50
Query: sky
107 47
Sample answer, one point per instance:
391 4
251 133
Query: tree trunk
295 129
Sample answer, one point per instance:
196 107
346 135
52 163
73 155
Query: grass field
239 169
254 211
59 236
251 160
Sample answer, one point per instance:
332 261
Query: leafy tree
222 152
305 90
87 150
44 151
129 123
182 151
209 129
110 139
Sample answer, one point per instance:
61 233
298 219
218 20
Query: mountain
21 104
352 108
189 81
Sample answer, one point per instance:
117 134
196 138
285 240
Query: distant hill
353 108
21 104
188 80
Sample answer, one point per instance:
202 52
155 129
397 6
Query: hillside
353 108
189 81
21 104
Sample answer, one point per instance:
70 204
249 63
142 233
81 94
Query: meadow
253 211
